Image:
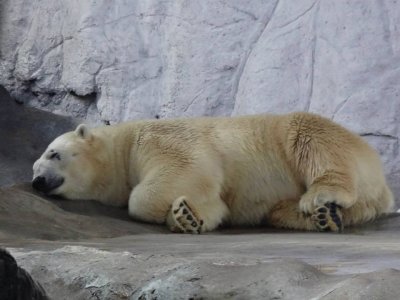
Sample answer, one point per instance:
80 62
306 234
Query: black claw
185 211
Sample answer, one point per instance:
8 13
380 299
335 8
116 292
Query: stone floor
83 250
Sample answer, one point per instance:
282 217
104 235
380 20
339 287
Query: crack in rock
266 20
380 135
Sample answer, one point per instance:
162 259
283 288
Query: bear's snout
39 183
42 184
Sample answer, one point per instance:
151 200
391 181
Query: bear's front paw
183 219
328 218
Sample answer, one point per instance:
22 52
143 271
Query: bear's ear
83 131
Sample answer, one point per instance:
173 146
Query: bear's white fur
298 171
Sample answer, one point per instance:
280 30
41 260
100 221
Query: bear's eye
55 155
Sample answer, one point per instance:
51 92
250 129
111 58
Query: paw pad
328 218
185 219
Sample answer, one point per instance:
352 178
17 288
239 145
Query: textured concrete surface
112 61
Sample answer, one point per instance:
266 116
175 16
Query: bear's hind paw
328 218
183 218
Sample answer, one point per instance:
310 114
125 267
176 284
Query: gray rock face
112 61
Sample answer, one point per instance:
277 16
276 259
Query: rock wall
108 61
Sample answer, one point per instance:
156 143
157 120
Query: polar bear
297 171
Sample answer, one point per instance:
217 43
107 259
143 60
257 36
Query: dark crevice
30 90
29 86
31 81
51 94
92 97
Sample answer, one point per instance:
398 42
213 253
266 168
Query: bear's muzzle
46 185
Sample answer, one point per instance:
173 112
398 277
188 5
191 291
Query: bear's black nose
39 183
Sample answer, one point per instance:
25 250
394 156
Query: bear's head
73 165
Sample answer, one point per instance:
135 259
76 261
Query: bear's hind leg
332 187
369 207
187 216
286 214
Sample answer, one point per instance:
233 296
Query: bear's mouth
47 184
